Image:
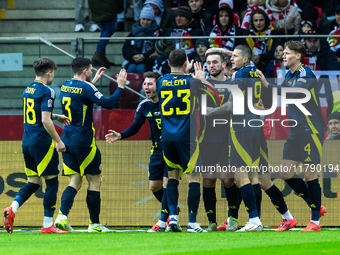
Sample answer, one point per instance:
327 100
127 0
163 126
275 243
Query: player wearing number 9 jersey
82 156
177 96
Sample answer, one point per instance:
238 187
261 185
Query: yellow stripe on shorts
240 150
46 160
193 160
317 143
88 160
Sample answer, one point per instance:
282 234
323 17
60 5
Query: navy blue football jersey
244 78
77 98
178 106
150 111
305 78
37 98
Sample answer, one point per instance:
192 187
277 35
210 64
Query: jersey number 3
67 101
168 94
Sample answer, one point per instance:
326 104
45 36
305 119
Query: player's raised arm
98 75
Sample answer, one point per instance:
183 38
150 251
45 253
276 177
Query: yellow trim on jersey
311 125
299 67
264 155
317 143
68 171
172 165
210 94
336 101
84 113
46 160
256 162
240 150
313 93
93 144
30 172
200 139
87 160
193 160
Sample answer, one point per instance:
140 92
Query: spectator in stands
334 101
284 17
137 52
333 131
80 18
327 6
306 26
103 12
203 19
318 54
185 26
275 67
336 22
313 13
224 28
164 17
121 17
334 42
201 46
263 47
245 15
229 4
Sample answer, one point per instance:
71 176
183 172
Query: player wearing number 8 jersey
82 156
40 154
176 92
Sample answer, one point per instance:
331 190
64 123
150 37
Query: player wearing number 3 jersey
82 156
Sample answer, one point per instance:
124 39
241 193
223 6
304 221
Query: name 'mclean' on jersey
77 98
37 98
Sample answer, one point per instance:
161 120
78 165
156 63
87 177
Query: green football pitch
131 242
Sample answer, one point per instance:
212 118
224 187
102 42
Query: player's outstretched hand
199 71
63 119
60 146
112 136
98 75
263 78
189 66
219 50
121 79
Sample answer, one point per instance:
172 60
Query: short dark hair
218 54
246 51
297 47
152 75
43 65
79 64
177 58
227 61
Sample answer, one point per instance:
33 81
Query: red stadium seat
128 100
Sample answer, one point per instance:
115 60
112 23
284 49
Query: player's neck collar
39 81
177 73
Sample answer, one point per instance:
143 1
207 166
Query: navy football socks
50 196
300 187
249 199
172 195
158 195
93 204
258 195
193 200
26 192
165 207
67 200
277 200
315 197
234 199
209 199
